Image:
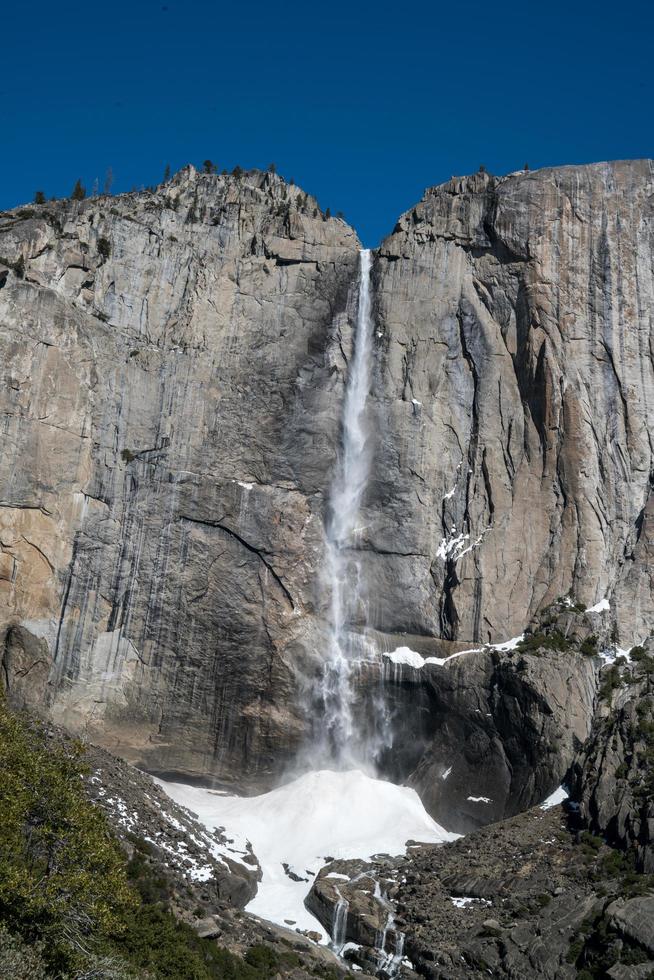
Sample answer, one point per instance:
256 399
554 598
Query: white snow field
317 816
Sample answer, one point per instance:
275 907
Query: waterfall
339 923
343 532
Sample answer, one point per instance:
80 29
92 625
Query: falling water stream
343 744
343 568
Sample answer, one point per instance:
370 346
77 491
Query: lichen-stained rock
514 402
173 364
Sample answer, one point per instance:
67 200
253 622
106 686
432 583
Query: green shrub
589 646
70 903
20 960
62 874
590 842
155 941
104 247
552 640
611 679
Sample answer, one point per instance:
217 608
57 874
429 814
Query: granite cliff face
174 368
514 402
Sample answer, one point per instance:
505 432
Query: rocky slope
174 365
528 897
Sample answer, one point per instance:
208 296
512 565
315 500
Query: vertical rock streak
340 744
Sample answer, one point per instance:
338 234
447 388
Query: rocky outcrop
613 776
635 920
174 366
513 402
526 897
364 889
484 733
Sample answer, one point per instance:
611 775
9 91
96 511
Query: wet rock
489 733
522 898
178 402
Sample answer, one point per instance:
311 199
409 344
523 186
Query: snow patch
601 606
410 658
342 815
611 654
403 655
480 799
451 546
558 796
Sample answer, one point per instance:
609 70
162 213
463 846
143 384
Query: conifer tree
78 192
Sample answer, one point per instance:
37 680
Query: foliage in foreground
71 906
62 874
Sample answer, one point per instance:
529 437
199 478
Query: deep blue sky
364 104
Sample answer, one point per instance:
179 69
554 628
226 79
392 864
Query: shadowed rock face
499 732
174 368
613 776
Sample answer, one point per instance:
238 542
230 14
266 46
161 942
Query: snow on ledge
558 796
601 606
403 655
410 658
480 799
